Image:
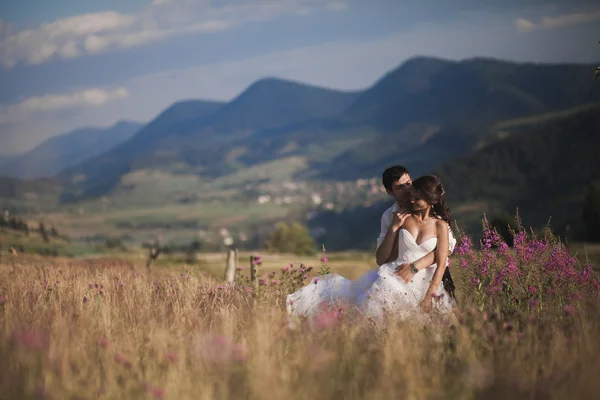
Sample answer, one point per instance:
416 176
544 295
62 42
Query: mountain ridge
62 151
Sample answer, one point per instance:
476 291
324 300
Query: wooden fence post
253 273
237 260
230 266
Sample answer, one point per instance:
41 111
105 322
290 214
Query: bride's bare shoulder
440 223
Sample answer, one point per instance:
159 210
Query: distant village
325 195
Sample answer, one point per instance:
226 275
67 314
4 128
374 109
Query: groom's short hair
392 174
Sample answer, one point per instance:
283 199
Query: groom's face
401 188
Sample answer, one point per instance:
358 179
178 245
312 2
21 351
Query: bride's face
418 203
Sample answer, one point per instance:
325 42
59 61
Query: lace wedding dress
377 292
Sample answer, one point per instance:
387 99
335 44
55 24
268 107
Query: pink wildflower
30 338
158 393
172 357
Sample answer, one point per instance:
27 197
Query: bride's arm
441 255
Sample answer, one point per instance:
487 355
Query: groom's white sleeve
385 224
451 240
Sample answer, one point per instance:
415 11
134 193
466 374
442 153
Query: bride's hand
404 272
398 219
427 303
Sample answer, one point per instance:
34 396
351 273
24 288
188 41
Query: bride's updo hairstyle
429 189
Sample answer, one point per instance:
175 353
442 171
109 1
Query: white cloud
69 50
524 25
337 5
87 24
94 44
88 98
63 38
96 33
559 21
148 36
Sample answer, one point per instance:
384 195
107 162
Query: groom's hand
404 272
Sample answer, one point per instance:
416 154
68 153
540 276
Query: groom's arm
387 242
385 250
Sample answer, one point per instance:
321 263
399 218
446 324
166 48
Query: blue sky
67 64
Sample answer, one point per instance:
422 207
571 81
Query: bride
381 292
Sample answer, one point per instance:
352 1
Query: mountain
479 89
442 109
60 152
270 103
4 158
200 136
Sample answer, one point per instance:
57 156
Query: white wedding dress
377 292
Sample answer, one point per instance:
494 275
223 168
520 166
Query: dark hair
430 189
392 174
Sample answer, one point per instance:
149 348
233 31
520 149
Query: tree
44 233
13 223
25 227
597 72
154 250
591 212
53 232
192 251
291 238
504 224
114 243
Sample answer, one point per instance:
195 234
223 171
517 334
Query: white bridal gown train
377 292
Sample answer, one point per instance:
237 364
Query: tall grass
529 328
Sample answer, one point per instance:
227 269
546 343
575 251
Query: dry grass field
109 329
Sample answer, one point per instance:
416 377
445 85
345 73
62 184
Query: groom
397 182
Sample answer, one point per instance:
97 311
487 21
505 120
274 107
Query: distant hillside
29 194
99 174
4 158
544 172
62 151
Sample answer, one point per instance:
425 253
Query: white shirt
386 220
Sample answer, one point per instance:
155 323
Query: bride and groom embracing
413 246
